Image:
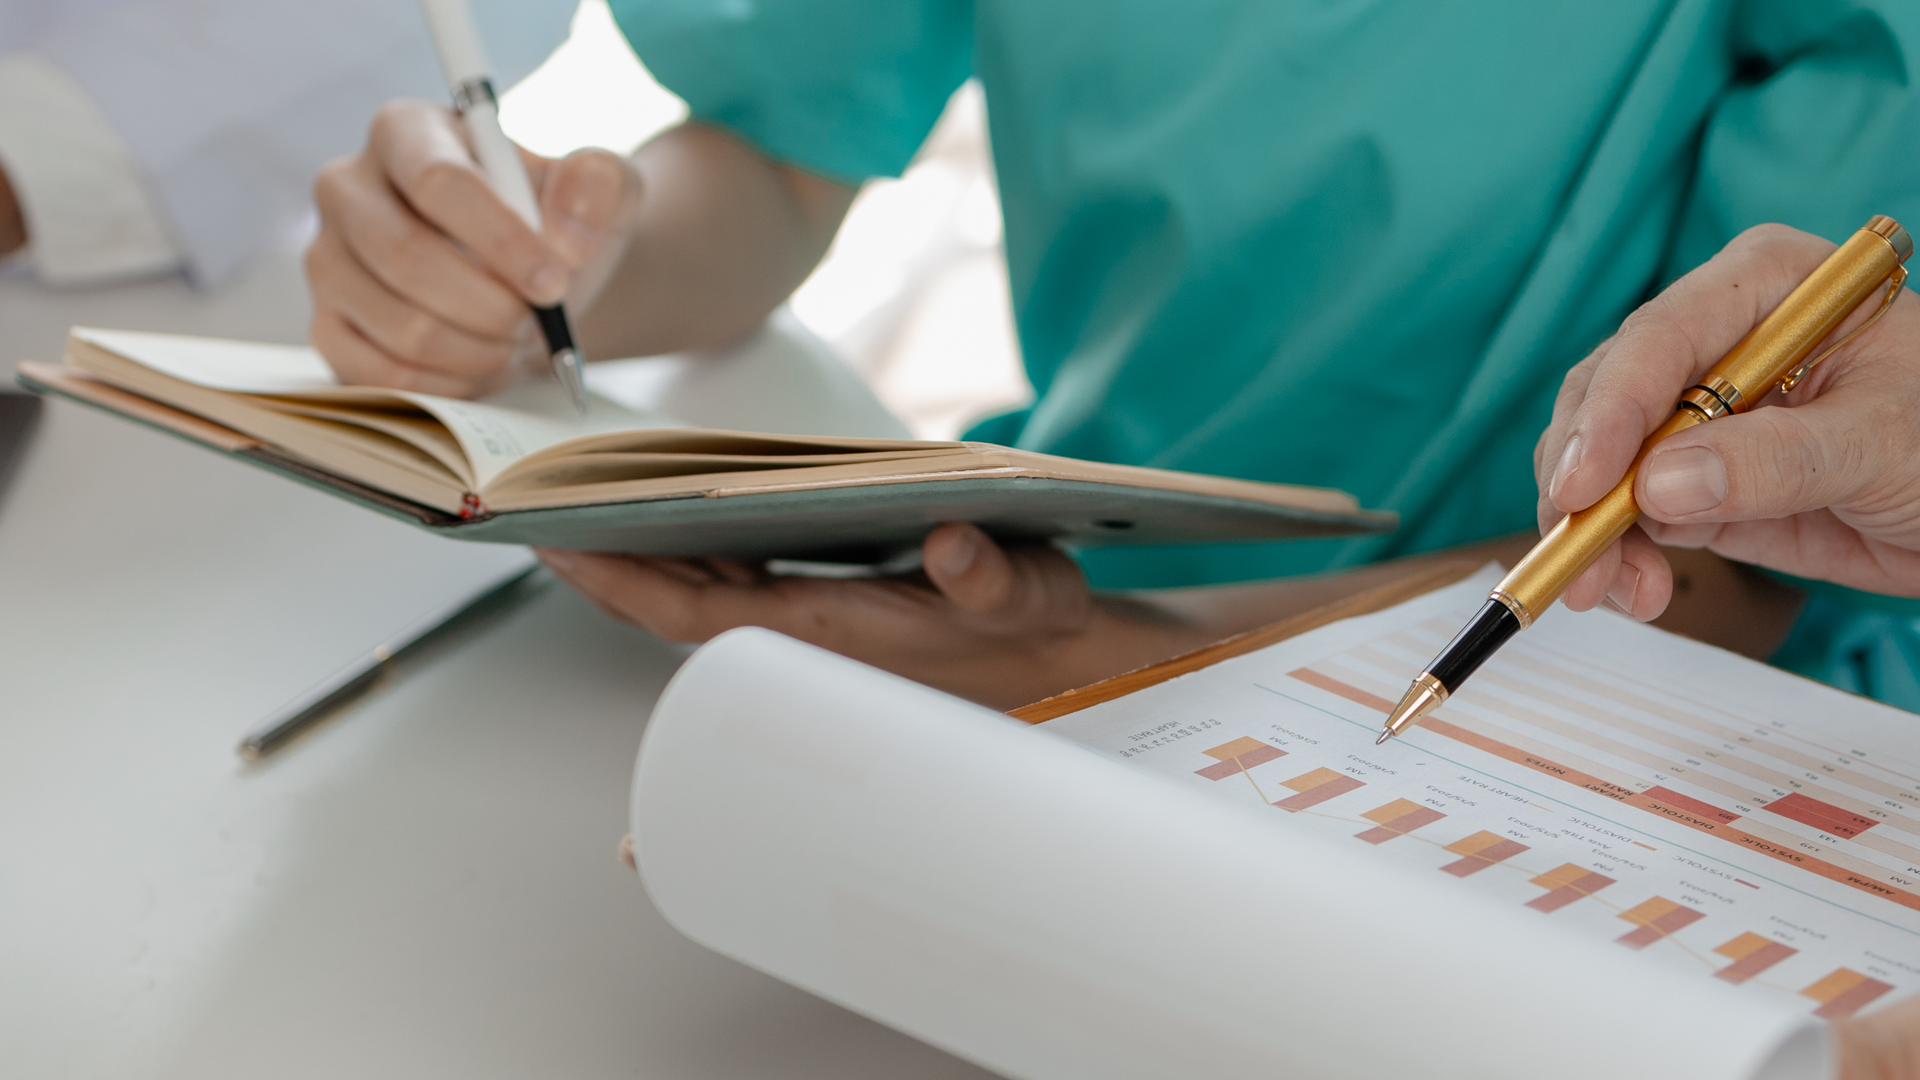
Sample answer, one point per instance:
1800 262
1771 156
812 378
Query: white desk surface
424 888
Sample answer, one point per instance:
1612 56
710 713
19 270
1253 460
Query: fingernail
547 285
1569 464
1623 591
1686 481
959 556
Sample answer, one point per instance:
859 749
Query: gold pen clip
1894 282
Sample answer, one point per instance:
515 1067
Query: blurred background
914 291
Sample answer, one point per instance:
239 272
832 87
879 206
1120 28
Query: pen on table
464 60
387 658
1773 354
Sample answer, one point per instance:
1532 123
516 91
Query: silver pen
403 650
464 60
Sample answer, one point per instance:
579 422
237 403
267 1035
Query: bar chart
1776 856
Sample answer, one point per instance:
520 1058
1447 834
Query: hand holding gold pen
1779 352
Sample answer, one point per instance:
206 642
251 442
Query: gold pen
1773 354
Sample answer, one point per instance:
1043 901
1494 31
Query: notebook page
1698 811
491 435
1052 915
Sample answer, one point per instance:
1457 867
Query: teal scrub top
1349 244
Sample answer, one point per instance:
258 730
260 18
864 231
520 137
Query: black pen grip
553 324
1472 646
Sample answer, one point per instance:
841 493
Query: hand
1882 1045
1004 627
1821 483
421 276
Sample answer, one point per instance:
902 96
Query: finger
1030 589
359 362
653 594
1669 343
1643 585
581 197
1551 446
429 164
384 235
1815 545
410 335
1592 586
1881 1045
1631 577
1774 462
968 567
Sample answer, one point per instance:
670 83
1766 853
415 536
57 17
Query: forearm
717 238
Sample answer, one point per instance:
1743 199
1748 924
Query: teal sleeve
845 88
1811 125
1866 649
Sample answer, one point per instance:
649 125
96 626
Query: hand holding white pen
423 273
464 61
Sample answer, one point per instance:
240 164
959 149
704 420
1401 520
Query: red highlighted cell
1823 816
1692 806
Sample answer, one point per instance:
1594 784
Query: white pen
464 60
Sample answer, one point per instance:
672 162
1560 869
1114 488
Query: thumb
968 567
580 199
1773 462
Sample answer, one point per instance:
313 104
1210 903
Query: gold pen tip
1425 695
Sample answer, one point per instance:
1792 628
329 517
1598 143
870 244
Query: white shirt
148 135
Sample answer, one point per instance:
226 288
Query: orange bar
1482 850
1397 818
1743 946
1751 954
1317 787
1565 884
1246 744
1237 757
1390 811
1844 993
1656 918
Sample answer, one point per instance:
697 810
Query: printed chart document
1616 851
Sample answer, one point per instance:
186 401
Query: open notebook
622 479
1615 853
